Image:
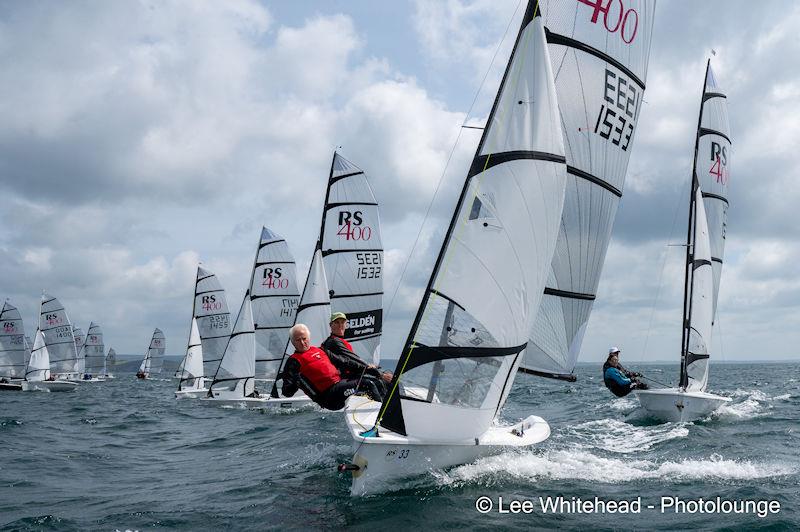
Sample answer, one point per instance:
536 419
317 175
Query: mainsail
478 309
712 161
12 343
94 350
706 233
155 353
57 330
599 53
192 371
236 370
39 365
80 340
350 239
274 297
213 318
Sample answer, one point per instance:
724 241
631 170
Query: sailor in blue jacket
617 379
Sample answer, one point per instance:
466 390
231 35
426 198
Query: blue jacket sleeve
615 375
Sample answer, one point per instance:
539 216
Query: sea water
124 454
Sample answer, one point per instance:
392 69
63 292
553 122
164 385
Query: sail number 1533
617 116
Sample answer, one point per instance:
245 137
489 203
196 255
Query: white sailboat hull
673 404
390 456
235 399
49 386
191 394
13 386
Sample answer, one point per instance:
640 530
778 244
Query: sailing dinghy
37 376
12 349
60 339
94 353
154 359
191 383
708 207
473 325
110 362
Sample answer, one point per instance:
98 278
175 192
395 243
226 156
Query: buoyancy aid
317 369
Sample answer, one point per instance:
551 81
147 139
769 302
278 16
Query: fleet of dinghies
58 358
512 287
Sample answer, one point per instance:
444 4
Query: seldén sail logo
360 324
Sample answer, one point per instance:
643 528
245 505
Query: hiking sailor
618 379
343 356
311 370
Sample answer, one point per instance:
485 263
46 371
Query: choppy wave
620 437
583 465
748 404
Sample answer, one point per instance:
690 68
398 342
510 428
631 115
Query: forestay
12 343
712 162
352 252
599 52
213 318
237 368
57 330
39 365
274 296
192 371
478 309
94 349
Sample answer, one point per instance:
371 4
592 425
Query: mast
690 239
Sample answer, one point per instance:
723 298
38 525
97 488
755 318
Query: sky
139 138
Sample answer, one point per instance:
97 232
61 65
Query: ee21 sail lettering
617 117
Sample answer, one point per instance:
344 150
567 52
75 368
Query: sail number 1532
369 265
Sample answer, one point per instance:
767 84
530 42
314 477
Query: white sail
39 365
94 350
111 361
155 354
192 366
352 253
236 371
144 367
57 329
599 53
12 343
315 307
213 318
464 348
274 296
702 302
712 164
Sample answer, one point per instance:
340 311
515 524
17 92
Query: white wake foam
583 465
620 437
755 404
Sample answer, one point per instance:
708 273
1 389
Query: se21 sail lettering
616 18
351 228
617 117
369 265
273 279
719 163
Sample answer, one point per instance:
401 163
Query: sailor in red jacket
343 355
310 370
